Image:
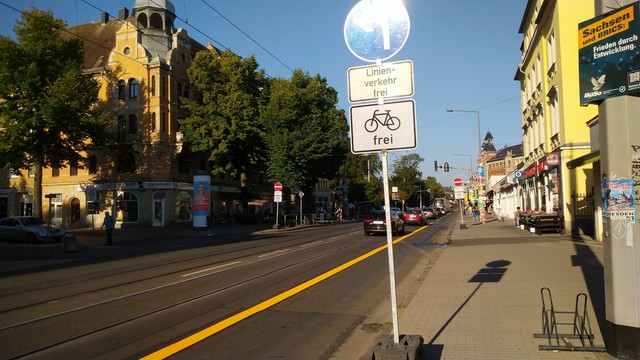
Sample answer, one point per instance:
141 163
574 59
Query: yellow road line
203 334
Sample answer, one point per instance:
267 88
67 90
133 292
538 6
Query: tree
225 123
48 108
305 134
405 169
361 171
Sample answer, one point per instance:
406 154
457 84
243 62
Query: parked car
414 216
375 223
28 228
429 213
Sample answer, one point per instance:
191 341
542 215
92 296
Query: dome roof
155 4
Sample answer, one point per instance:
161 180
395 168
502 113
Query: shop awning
258 202
584 160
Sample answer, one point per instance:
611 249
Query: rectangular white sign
458 192
390 126
372 82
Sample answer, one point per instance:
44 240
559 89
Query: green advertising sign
609 51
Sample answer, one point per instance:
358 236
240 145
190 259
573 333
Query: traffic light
446 167
435 165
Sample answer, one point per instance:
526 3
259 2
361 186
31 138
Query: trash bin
69 242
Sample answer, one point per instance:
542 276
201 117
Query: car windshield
32 221
413 211
378 215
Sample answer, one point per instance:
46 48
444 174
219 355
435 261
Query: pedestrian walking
516 214
210 224
339 214
108 224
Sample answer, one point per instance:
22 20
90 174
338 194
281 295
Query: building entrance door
158 208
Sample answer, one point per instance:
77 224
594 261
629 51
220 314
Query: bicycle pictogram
391 122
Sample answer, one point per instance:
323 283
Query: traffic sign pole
392 275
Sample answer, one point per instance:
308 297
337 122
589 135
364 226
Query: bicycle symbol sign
388 126
391 122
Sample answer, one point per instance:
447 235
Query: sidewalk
481 298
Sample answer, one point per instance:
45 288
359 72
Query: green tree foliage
305 134
363 173
405 169
48 108
226 123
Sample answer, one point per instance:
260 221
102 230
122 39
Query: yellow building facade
144 175
553 122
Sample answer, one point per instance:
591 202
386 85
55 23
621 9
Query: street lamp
420 191
478 114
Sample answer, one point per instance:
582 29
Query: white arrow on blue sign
377 29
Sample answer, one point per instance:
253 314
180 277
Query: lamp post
478 114
420 191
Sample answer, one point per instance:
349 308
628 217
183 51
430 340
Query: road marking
274 253
311 244
216 328
211 268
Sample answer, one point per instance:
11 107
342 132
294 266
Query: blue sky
465 54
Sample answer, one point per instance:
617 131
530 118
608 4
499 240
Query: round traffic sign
277 186
457 182
376 29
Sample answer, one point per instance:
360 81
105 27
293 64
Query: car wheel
31 238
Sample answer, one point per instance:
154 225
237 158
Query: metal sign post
392 275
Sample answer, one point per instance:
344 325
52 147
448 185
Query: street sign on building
390 126
387 80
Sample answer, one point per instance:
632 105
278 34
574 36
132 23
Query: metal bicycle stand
578 320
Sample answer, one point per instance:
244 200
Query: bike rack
581 326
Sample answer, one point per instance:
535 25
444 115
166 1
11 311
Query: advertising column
609 72
201 200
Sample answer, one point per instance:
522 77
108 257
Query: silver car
28 228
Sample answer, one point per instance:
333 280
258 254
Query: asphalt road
298 295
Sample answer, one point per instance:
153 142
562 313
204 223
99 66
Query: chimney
104 17
123 13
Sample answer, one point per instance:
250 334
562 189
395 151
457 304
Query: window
126 163
154 127
122 129
126 207
551 49
122 90
133 88
93 165
133 124
186 91
55 172
163 86
153 85
32 170
555 114
164 124
179 90
73 168
184 164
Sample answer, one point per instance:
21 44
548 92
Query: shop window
183 206
126 207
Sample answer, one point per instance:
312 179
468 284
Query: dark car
28 228
429 213
414 216
375 223
440 211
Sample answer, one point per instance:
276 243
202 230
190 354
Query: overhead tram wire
247 35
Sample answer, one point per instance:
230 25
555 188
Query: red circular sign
277 186
457 182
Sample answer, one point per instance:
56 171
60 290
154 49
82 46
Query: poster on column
618 200
201 193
